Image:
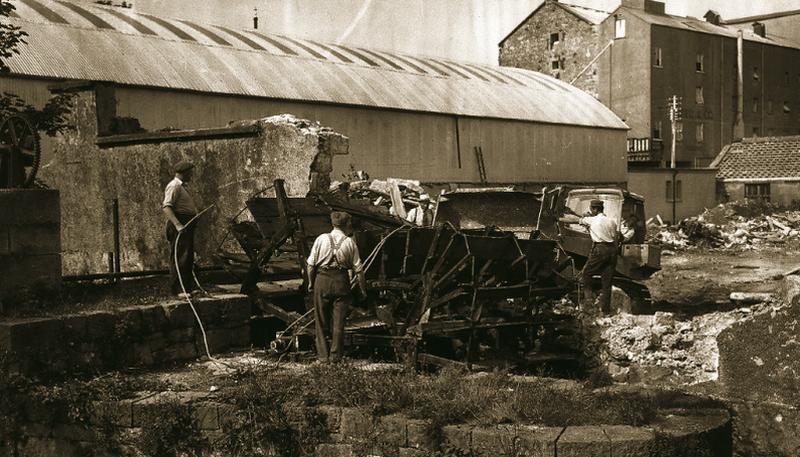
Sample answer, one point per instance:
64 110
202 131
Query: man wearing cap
422 215
179 207
332 256
603 256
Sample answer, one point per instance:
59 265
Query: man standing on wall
179 208
332 256
603 256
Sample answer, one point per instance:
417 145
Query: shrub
170 430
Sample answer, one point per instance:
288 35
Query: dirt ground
699 280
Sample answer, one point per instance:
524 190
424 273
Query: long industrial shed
406 116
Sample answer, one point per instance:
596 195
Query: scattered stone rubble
665 349
737 225
381 193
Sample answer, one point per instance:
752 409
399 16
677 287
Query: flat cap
183 166
596 204
340 219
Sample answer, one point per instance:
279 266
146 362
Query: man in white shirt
422 215
603 256
179 208
332 256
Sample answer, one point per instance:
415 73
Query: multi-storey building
731 81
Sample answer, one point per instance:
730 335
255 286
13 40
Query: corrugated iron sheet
167 53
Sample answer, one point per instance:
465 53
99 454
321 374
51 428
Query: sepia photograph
399 228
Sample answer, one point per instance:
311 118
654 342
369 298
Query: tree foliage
11 36
52 118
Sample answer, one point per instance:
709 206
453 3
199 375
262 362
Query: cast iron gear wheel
20 140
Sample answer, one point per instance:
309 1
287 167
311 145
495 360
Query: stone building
766 168
557 39
655 56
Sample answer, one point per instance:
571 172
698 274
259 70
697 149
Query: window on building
755 105
699 132
698 95
619 27
755 74
657 57
556 64
657 130
758 191
556 38
786 108
698 65
677 196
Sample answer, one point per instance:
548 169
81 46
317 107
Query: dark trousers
603 261
332 298
185 255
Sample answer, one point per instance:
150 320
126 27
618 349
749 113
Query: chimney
713 17
654 7
760 29
649 6
255 18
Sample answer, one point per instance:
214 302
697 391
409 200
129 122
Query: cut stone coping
145 335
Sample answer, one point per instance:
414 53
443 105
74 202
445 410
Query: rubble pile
381 193
662 349
740 225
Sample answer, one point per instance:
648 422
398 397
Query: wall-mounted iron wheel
20 152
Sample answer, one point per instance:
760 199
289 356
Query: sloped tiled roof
701 26
68 40
760 159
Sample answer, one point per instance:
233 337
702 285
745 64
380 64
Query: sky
466 30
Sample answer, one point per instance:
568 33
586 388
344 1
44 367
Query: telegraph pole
674 108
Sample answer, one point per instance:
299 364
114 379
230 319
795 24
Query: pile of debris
740 225
393 196
663 349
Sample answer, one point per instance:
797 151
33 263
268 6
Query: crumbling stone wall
232 164
529 46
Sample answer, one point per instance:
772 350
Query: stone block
40 270
210 311
118 413
101 325
220 340
761 429
31 335
334 450
702 430
789 290
75 328
206 416
34 239
457 437
493 441
333 417
154 319
583 441
420 435
180 335
30 206
391 430
179 315
627 441
534 441
177 352
356 423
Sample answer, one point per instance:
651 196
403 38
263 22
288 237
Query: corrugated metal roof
699 25
98 43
